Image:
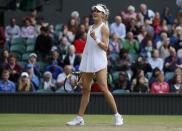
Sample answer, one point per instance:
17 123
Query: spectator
172 62
142 33
6 85
176 37
179 15
86 23
53 34
146 13
13 67
48 83
27 30
4 57
141 64
160 86
148 26
130 44
72 59
123 62
76 16
80 40
33 17
122 84
178 71
114 47
12 31
129 15
68 34
118 27
159 42
176 85
55 58
33 60
132 27
24 83
156 23
60 80
167 15
174 24
164 26
72 29
63 46
155 60
146 51
140 83
54 69
179 56
2 38
148 37
34 79
43 44
154 75
40 22
164 49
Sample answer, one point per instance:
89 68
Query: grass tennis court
49 122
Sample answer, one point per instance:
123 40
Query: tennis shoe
118 120
77 121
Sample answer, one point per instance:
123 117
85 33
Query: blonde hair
27 86
106 11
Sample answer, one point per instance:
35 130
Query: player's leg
86 79
101 77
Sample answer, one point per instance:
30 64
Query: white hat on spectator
24 74
33 54
131 8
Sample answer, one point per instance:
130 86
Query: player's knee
104 89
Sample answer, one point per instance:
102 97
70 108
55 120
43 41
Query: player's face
97 15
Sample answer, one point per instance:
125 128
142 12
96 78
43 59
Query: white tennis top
94 58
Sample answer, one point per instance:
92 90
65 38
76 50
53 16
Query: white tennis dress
94 58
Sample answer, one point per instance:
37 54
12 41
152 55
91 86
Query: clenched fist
92 34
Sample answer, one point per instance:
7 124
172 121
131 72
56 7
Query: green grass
56 122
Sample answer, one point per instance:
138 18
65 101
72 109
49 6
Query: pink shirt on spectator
160 87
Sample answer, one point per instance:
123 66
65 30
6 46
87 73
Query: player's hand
92 34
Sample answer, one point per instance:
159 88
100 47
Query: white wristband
98 41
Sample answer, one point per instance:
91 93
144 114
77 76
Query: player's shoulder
104 28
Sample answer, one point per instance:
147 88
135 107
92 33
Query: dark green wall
132 104
58 11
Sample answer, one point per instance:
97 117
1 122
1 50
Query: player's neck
97 23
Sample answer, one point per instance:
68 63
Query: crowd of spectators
144 52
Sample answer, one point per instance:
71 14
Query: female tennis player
94 61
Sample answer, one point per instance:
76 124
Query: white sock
116 114
79 117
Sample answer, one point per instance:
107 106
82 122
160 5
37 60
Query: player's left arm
105 38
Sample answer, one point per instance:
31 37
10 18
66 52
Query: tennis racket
73 79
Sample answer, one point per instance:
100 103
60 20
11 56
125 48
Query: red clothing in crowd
95 87
79 45
2 38
160 87
14 72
